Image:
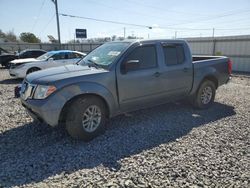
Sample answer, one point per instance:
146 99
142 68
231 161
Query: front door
139 86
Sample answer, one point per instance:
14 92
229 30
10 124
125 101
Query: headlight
20 66
43 91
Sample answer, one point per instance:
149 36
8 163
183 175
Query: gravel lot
172 145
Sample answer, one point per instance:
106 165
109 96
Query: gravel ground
172 145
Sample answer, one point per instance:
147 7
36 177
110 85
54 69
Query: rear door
177 70
139 86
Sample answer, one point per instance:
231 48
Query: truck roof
151 40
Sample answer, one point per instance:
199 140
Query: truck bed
216 65
197 58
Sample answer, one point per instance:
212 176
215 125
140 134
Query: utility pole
213 32
57 20
124 33
175 34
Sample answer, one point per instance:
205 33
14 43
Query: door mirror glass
50 60
131 65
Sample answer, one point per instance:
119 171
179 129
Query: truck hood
27 60
51 75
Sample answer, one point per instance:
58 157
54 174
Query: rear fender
202 74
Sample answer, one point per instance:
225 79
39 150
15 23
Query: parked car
30 53
19 68
122 77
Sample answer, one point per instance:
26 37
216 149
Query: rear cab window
174 54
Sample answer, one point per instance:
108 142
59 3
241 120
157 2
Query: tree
29 37
10 36
114 37
131 37
2 34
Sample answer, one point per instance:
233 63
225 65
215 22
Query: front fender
63 95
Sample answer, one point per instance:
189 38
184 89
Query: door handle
157 74
185 69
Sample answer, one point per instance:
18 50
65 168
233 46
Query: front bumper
42 110
16 73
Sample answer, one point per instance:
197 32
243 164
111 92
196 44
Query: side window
26 54
38 53
146 56
33 54
59 56
74 55
174 54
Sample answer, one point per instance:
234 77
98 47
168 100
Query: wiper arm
77 63
92 64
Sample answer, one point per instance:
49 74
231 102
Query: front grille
27 90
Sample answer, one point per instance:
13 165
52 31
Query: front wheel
205 95
86 118
34 69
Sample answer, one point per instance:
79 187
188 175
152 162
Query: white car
19 68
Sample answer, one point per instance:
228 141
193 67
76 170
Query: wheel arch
211 78
35 67
63 113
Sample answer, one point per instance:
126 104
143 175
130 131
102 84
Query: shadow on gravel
11 81
32 152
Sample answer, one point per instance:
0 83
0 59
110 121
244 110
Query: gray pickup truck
120 77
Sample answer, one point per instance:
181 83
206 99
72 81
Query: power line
42 30
212 18
128 10
39 14
107 21
144 26
162 9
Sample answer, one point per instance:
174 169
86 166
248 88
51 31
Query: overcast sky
185 18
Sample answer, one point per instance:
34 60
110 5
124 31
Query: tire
77 124
34 69
205 95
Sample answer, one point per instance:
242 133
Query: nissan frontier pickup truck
120 77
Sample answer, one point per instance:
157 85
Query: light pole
57 20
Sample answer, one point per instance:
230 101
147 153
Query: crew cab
120 77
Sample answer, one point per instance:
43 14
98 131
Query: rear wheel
205 95
86 118
34 69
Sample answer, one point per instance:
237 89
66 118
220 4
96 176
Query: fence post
81 47
214 46
91 47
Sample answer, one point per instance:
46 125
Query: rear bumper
229 79
40 110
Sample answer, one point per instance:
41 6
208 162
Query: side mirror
131 65
50 60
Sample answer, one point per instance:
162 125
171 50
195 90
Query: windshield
105 54
45 56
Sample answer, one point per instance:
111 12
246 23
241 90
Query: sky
168 18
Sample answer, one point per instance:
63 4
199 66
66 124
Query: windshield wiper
93 64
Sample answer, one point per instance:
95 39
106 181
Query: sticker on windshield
114 53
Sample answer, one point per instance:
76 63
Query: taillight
230 66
